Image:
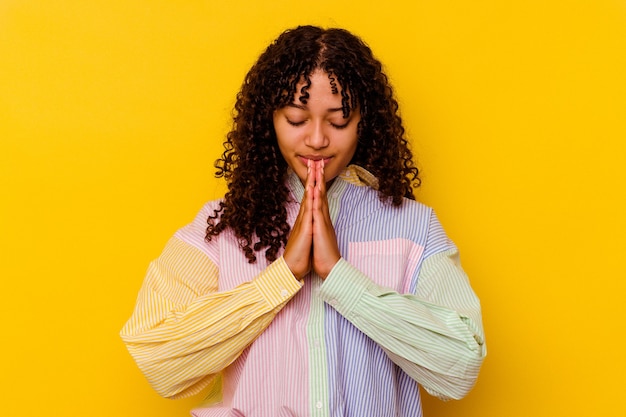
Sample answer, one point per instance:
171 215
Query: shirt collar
352 174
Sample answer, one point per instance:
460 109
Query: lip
305 158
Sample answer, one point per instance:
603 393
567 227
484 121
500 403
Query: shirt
396 311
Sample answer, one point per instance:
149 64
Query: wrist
324 272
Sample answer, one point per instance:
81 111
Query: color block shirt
396 311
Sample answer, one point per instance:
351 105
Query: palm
312 243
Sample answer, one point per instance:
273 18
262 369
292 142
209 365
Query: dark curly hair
254 169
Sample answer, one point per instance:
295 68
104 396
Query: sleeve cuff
344 287
276 283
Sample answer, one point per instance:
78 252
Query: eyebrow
302 107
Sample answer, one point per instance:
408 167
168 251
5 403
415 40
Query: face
317 130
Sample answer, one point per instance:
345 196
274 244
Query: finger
323 199
310 174
322 224
309 186
319 178
319 185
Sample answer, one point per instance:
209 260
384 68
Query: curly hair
252 165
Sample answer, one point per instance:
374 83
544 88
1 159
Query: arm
435 336
183 332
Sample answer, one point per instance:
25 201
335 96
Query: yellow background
112 113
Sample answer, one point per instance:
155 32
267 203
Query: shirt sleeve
434 335
183 332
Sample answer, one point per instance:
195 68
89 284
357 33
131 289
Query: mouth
306 158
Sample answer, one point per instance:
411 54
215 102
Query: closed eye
294 123
338 126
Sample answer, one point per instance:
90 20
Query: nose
316 137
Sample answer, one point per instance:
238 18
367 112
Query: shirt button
333 302
318 405
334 195
284 293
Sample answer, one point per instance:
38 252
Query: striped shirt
396 311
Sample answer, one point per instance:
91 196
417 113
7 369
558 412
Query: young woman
317 286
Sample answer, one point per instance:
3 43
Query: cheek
286 135
284 140
352 142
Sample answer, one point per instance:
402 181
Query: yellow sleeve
183 332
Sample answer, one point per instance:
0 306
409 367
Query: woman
317 285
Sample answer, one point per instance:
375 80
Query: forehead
320 89
317 83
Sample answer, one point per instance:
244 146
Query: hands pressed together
312 244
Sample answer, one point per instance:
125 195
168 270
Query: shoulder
362 211
369 200
194 233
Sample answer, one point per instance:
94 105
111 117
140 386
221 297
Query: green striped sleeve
435 336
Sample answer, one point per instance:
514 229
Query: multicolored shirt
396 311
